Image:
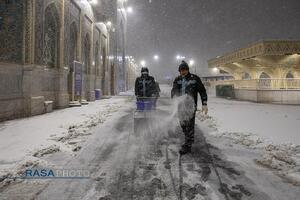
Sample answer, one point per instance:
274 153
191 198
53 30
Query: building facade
40 42
267 71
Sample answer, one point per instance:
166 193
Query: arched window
51 36
86 54
103 68
289 75
96 58
246 76
73 45
264 75
265 81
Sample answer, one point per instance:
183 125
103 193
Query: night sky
204 29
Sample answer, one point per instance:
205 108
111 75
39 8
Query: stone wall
37 47
269 96
11 91
291 97
11 31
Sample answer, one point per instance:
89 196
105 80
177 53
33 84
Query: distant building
39 42
267 71
220 77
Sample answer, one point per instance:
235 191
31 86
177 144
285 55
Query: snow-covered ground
127 93
279 123
24 140
238 152
271 129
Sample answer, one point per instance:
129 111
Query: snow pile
49 150
76 134
284 159
207 120
246 139
26 141
17 171
127 93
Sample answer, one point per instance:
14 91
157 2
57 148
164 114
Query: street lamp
129 9
192 62
108 23
143 63
215 70
179 57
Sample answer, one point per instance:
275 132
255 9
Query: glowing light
156 57
215 70
108 23
129 10
143 63
179 57
192 62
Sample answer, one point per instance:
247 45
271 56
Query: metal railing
263 84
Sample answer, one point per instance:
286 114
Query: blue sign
78 78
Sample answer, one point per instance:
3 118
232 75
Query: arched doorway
290 80
86 66
112 79
51 37
264 75
96 59
86 54
289 75
246 76
72 57
264 81
103 72
96 66
122 62
51 52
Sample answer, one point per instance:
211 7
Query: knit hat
183 66
144 70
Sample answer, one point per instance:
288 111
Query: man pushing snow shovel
186 87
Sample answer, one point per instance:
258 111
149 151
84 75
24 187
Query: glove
204 109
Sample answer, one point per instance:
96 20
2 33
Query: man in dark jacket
145 85
188 85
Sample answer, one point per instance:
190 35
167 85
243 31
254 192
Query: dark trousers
188 128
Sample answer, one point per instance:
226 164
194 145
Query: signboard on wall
78 78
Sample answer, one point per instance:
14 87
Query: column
63 95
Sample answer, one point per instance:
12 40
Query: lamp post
192 63
129 9
180 57
143 63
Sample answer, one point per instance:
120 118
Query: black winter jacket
191 85
145 86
